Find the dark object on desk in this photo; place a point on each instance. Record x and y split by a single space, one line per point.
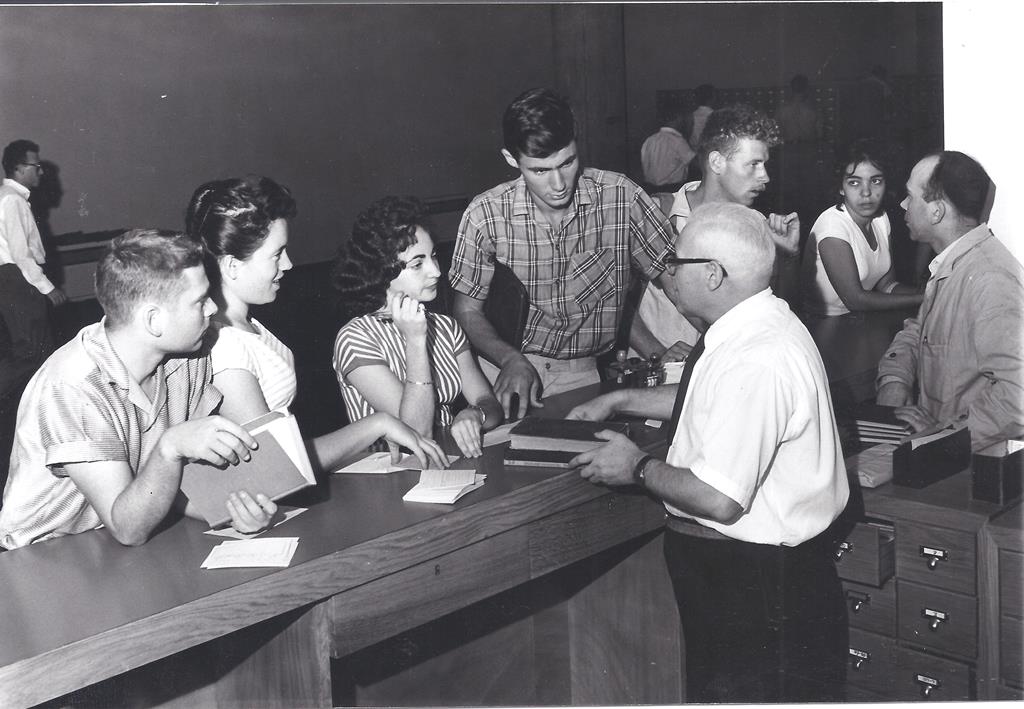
507 305
535 433
634 372
942 454
997 472
538 458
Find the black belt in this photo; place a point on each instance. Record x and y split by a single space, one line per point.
692 528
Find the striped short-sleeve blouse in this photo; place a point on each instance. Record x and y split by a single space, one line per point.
367 341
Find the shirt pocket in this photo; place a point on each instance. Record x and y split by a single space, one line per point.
591 277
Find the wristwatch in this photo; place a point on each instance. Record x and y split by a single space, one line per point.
639 471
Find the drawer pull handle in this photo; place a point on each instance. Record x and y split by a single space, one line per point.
934 556
859 657
843 548
934 618
858 600
928 685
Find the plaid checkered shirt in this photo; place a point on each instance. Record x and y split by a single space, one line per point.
576 274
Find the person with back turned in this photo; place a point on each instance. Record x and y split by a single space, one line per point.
753 479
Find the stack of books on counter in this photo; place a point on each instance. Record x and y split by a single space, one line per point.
552 443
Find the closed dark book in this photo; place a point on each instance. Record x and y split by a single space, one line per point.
538 433
538 458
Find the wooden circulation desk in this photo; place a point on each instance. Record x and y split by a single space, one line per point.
81 609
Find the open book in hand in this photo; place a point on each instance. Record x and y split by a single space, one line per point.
279 467
444 486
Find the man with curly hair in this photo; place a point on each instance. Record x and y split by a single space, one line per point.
733 152
572 236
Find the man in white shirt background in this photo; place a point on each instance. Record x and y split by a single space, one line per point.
25 291
666 155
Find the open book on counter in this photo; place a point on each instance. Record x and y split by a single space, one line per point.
279 467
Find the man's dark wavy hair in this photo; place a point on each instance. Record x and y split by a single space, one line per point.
538 123
368 262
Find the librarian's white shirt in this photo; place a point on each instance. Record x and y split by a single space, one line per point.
757 425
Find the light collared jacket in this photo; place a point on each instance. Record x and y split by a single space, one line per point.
964 349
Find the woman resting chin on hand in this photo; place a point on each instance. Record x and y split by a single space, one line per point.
393 355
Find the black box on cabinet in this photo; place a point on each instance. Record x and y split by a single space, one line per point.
928 458
997 472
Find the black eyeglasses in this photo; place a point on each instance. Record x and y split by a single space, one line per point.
36 165
672 261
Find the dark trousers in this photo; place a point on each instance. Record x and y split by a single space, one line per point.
761 623
26 314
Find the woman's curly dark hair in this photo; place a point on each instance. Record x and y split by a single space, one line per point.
368 262
233 217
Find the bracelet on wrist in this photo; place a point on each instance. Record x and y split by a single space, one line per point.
639 471
427 383
479 410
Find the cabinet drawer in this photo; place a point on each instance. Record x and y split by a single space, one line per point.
938 619
1011 651
1011 578
936 556
871 608
918 675
870 662
867 554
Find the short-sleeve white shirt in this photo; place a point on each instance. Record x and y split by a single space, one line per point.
820 295
757 425
263 355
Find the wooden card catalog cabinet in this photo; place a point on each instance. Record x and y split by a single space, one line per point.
922 600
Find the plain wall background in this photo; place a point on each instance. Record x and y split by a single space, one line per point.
344 103
139 105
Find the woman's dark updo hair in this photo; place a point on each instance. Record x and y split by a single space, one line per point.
861 151
368 262
233 217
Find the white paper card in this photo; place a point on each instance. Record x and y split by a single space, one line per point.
274 552
377 463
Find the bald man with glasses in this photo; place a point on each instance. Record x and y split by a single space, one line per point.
24 288
753 479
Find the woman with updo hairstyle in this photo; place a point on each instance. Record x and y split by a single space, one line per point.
243 224
847 263
392 354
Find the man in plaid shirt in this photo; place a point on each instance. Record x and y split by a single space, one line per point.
571 235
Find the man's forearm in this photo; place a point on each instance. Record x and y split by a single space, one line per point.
146 501
483 335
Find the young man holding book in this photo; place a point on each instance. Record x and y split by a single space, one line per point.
107 423
753 479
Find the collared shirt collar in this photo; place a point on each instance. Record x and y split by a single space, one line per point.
522 202
737 317
17 187
97 345
947 258
680 204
